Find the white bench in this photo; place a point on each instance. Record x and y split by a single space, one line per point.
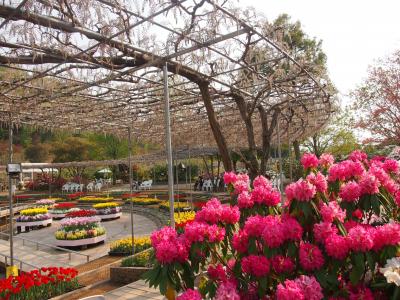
146 185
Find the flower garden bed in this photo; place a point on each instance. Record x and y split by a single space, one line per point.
80 231
41 284
123 247
178 206
108 210
47 203
336 236
33 218
60 210
95 199
132 268
144 201
80 213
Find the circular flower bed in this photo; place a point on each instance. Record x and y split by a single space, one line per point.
60 210
33 215
182 206
80 231
48 203
336 236
184 218
109 210
124 246
95 199
144 201
79 213
44 283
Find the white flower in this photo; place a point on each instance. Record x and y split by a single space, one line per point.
392 270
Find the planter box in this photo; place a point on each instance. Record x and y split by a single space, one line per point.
110 216
57 216
25 226
125 275
81 242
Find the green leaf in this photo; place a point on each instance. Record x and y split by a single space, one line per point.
371 261
292 249
321 278
358 268
164 280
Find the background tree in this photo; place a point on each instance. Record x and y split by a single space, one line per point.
72 149
378 101
336 138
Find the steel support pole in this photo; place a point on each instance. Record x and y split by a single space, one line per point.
130 188
169 147
10 192
279 154
189 166
290 153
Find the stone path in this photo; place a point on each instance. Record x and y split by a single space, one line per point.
46 256
138 290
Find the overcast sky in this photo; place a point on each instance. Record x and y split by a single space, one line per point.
354 32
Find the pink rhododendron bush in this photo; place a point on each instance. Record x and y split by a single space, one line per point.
335 236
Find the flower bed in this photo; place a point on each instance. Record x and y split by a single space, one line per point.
108 210
142 259
94 199
81 213
184 218
48 203
335 237
145 201
61 209
75 195
33 215
80 228
124 246
39 284
182 206
126 196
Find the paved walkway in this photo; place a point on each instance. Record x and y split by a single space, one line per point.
138 290
45 256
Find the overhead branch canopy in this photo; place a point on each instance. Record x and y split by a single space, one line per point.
96 65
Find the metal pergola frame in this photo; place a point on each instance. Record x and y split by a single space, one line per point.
137 67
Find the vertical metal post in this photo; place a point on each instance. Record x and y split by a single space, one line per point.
10 191
169 147
279 154
190 180
130 188
290 153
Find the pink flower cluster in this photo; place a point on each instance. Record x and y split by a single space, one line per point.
350 192
217 272
358 155
214 212
332 211
256 265
301 190
169 248
311 257
346 170
200 232
227 291
319 181
326 160
309 161
281 264
189 294
302 288
274 230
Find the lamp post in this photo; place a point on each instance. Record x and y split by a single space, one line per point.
130 188
168 146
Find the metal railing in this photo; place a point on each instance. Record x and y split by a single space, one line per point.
21 263
16 205
38 244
